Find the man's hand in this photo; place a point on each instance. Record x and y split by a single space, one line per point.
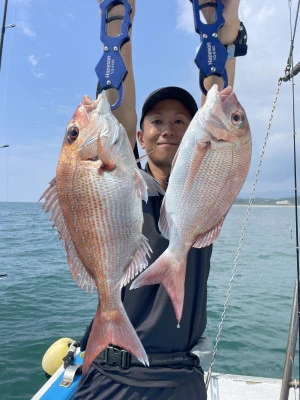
229 32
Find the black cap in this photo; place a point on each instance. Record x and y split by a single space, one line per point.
169 92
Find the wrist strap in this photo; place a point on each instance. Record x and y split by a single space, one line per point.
239 47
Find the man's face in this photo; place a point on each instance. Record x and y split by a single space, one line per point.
163 129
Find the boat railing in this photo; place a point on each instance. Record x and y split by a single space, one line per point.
287 382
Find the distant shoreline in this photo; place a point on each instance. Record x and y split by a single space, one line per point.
266 202
266 205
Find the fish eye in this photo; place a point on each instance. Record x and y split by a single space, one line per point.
237 118
72 134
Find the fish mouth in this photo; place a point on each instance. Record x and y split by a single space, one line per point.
89 105
221 102
225 93
216 100
222 96
99 104
228 100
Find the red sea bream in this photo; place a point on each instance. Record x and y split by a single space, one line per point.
96 205
208 171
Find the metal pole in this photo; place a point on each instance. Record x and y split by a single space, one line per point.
3 30
291 348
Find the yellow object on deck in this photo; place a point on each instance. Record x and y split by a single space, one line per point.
53 358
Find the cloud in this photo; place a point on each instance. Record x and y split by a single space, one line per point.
37 74
23 17
265 14
32 60
185 20
25 28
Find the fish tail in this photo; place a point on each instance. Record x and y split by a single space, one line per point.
113 327
169 271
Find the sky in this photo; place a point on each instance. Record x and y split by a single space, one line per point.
49 61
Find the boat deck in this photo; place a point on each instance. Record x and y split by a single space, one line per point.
237 387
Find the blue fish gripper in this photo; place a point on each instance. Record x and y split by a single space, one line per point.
111 70
212 55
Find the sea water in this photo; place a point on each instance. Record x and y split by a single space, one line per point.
40 302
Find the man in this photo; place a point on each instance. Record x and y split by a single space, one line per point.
174 372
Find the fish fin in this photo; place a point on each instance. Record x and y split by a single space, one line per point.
113 327
170 272
210 236
153 186
49 192
52 205
163 221
139 262
141 186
